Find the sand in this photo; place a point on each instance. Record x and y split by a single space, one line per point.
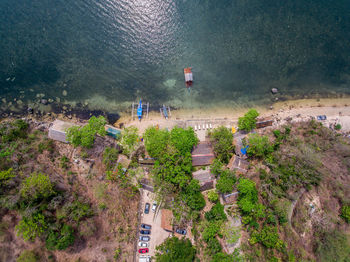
337 110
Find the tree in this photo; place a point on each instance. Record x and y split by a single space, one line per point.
175 250
183 139
156 141
129 139
216 167
211 230
222 140
268 236
226 181
36 186
31 227
213 196
259 146
192 195
85 136
248 195
216 213
248 121
110 156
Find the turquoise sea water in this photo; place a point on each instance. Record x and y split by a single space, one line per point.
107 53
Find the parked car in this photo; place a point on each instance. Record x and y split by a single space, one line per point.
154 207
181 231
145 259
145 232
322 117
144 238
147 206
145 226
143 244
143 250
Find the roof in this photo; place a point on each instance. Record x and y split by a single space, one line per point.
167 218
58 130
203 176
124 161
202 154
238 163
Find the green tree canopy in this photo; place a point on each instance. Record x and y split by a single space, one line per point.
37 186
129 139
31 227
175 250
192 195
248 195
183 139
248 121
85 136
27 256
222 140
216 213
226 181
156 141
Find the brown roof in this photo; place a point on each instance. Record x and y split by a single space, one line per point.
238 163
167 218
202 154
203 176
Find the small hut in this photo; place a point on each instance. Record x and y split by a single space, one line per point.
202 154
58 130
167 219
205 178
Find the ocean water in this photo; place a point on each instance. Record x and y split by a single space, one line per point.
108 53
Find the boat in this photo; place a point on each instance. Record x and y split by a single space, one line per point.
188 76
139 110
165 112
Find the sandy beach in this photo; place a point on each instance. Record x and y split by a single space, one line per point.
337 111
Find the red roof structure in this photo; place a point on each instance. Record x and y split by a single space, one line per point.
202 154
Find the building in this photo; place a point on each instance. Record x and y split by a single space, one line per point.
167 220
205 178
202 154
239 164
264 122
113 132
58 130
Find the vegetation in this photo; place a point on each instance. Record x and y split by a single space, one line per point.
32 227
27 256
222 140
337 127
37 186
85 136
333 247
248 121
130 139
216 213
175 250
60 239
110 157
226 181
213 196
345 213
259 146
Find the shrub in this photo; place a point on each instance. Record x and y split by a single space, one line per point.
156 141
129 139
27 256
75 211
248 121
259 146
64 162
36 186
216 213
31 227
6 175
226 181
211 230
222 140
192 195
213 246
333 247
60 240
337 127
213 196
110 156
268 236
345 213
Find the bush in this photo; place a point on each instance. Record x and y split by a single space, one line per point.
211 230
214 246
36 186
60 240
216 213
345 213
192 195
337 127
129 139
213 196
268 236
248 121
75 211
27 256
6 175
226 181
259 146
222 140
333 247
110 157
31 227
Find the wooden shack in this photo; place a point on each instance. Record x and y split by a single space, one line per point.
205 178
264 122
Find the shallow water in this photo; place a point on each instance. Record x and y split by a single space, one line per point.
108 53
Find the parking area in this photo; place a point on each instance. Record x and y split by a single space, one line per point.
158 234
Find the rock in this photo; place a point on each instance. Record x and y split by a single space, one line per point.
50 100
44 101
271 107
274 90
30 110
69 116
64 93
276 98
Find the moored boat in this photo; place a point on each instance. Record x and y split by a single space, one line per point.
188 76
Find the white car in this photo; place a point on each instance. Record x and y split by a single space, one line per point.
154 207
144 259
143 244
